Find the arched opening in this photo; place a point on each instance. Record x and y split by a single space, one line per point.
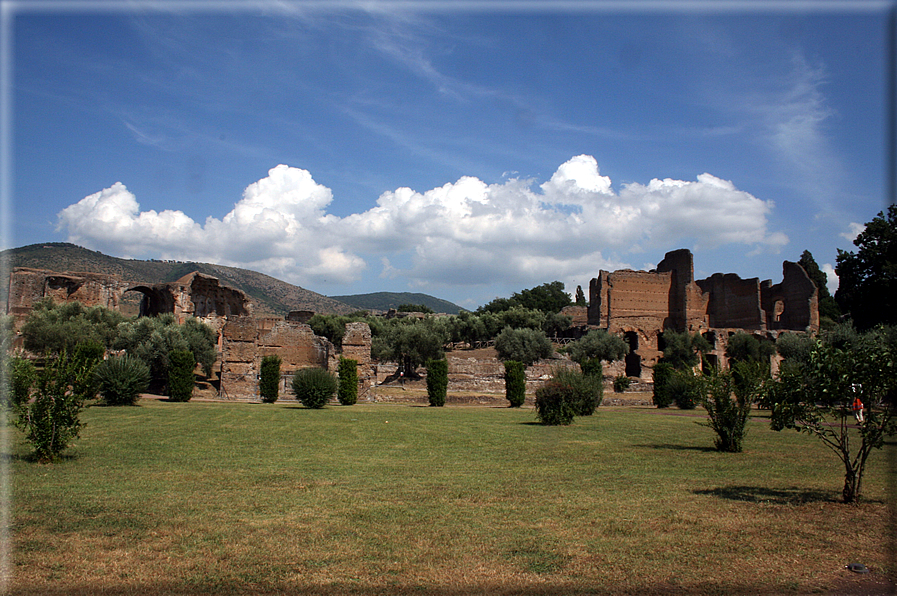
633 360
153 301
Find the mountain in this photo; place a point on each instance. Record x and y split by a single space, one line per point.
269 295
387 300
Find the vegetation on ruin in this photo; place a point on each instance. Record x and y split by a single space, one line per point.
867 278
314 387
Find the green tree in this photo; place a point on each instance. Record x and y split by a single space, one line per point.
51 328
515 383
347 391
415 308
727 417
548 298
411 342
744 347
682 349
816 399
437 381
556 403
180 375
121 379
598 344
269 378
314 387
523 345
867 279
580 297
588 390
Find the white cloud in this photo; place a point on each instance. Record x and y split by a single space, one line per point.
463 233
831 279
853 230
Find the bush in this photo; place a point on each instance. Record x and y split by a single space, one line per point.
588 390
515 383
269 378
621 383
686 389
347 393
661 376
592 367
180 375
51 420
314 387
121 380
727 417
555 403
437 381
22 376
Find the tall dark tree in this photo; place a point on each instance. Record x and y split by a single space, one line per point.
828 307
548 298
868 278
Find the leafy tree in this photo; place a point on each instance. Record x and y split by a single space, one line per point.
411 342
587 390
744 347
794 347
51 328
556 323
598 344
829 311
51 418
548 298
515 383
22 376
661 375
520 317
727 417
523 345
816 399
347 391
7 333
314 387
437 381
867 289
682 350
121 379
269 378
556 403
180 375
685 388
580 297
333 327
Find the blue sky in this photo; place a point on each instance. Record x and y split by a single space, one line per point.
462 150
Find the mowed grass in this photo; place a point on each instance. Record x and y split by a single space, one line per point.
211 498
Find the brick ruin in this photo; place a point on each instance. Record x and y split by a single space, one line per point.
641 305
637 305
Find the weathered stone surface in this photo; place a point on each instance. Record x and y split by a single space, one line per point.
28 286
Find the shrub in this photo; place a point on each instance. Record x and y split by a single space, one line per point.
22 376
621 383
598 344
51 420
180 375
588 390
314 387
661 376
686 389
121 379
515 383
555 403
269 378
347 394
592 367
726 416
437 381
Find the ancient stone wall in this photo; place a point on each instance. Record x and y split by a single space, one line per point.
793 303
28 286
734 302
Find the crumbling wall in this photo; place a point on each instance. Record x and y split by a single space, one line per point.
734 302
629 298
194 295
28 286
793 303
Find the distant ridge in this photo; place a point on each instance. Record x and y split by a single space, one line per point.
387 300
269 295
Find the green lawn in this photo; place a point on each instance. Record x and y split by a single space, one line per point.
196 498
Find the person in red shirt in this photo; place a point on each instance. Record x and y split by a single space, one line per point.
858 409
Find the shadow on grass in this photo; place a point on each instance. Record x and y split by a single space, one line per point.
672 447
778 496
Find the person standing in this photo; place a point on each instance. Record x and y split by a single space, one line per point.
858 409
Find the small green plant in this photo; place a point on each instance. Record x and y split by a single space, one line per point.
555 403
50 420
347 394
727 417
686 389
269 378
121 379
592 367
22 376
661 375
515 383
437 382
180 375
621 383
314 387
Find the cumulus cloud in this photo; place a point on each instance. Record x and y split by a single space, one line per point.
831 278
462 233
853 230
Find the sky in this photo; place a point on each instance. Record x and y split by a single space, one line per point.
466 150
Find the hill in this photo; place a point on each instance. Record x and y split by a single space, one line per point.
387 300
269 295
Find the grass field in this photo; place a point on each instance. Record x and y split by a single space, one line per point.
212 498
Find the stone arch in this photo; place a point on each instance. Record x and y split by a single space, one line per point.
155 301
